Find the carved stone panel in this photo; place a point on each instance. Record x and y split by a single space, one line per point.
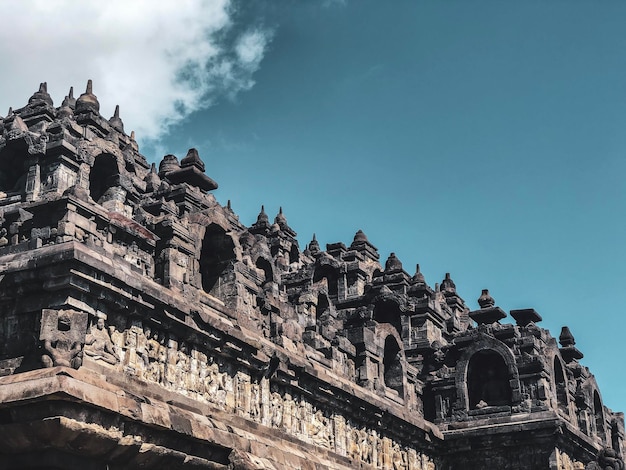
63 335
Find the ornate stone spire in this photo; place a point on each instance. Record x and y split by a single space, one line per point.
569 352
393 263
566 338
192 159
280 218
41 96
168 164
418 277
262 224
71 101
488 312
418 286
115 120
67 107
359 236
447 285
363 245
190 171
314 246
88 101
262 218
152 179
485 300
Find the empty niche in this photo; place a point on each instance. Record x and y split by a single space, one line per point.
267 273
388 312
103 175
12 170
393 373
294 254
561 385
216 256
598 415
330 274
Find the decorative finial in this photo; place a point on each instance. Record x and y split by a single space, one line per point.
192 159
314 246
88 101
393 263
228 206
69 100
115 120
447 285
280 219
566 338
360 236
66 110
169 163
262 219
152 179
418 277
485 300
41 96
132 135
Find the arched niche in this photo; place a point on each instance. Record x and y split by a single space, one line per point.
103 175
387 311
330 274
217 257
488 380
493 354
323 306
598 415
321 312
266 269
393 372
294 253
13 167
560 384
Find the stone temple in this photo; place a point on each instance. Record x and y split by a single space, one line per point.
143 325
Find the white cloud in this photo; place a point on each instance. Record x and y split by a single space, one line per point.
158 60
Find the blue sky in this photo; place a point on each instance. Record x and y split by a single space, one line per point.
484 138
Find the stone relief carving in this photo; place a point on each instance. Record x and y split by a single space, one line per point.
159 357
607 459
62 333
98 343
